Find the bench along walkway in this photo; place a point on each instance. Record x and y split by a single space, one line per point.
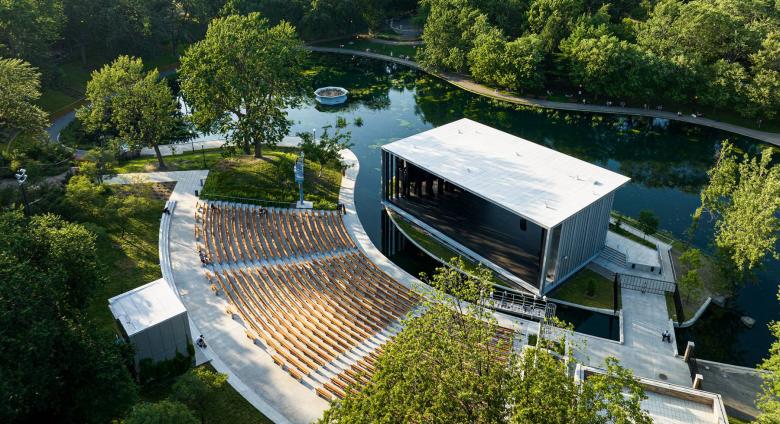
468 84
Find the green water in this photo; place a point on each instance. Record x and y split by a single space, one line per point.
667 165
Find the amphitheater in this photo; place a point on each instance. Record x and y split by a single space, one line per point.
296 305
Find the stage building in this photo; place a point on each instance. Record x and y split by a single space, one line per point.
530 213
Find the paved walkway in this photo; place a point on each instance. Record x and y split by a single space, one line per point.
199 143
467 84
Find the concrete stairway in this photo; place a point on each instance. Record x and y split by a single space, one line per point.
614 256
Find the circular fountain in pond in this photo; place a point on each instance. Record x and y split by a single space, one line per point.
331 95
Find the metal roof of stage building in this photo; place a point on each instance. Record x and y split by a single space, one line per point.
533 181
146 306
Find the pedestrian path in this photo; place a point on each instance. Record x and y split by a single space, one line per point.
206 143
468 84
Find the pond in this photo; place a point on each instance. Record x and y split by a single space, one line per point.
667 163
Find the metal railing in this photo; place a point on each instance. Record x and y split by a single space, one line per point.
248 200
520 304
643 284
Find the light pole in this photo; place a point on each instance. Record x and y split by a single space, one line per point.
21 178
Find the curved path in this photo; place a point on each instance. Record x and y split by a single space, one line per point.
467 84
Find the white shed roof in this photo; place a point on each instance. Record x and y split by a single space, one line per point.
538 183
146 306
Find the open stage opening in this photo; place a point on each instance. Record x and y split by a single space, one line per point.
492 232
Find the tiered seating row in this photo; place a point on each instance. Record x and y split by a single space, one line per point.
235 232
312 312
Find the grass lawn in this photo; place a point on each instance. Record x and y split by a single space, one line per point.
385 49
271 179
575 290
226 405
631 236
186 161
713 281
435 247
128 261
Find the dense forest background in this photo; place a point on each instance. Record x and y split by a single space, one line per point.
717 54
720 55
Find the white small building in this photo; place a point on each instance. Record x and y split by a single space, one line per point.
154 320
532 214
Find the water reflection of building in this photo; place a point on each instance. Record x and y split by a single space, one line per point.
533 215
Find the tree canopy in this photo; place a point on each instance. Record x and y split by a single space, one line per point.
70 373
162 412
447 366
769 400
19 89
137 106
241 77
743 197
720 54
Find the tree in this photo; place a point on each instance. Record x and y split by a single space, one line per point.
19 89
725 85
648 222
552 20
71 372
445 367
743 197
769 400
448 34
85 196
127 205
99 163
240 79
763 92
196 387
162 412
327 148
515 64
28 28
137 106
690 281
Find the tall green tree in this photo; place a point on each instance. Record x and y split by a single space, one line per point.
29 28
769 400
70 373
448 33
138 106
743 197
19 89
445 367
648 222
327 148
553 20
515 64
690 281
197 387
240 79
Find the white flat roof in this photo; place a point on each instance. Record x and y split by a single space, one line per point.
538 183
146 306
